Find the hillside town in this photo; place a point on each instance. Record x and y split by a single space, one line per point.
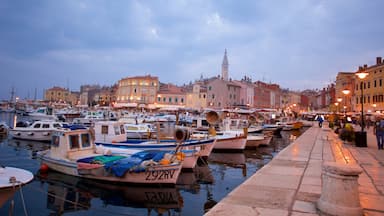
221 91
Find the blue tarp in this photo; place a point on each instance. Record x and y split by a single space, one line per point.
120 167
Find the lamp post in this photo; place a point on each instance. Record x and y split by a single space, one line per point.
345 92
361 137
339 101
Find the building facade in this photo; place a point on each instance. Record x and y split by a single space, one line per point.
57 94
170 95
137 90
370 91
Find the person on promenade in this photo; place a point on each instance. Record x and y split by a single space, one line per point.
320 119
378 130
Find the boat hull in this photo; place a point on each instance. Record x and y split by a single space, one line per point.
164 174
192 149
36 135
253 142
234 143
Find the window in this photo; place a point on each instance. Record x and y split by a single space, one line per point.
158 99
45 126
182 100
369 84
122 131
73 141
170 100
55 141
380 82
85 141
37 126
374 84
176 99
104 129
213 96
117 130
209 88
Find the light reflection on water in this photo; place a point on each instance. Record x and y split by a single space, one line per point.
57 194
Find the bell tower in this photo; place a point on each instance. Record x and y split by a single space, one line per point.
224 67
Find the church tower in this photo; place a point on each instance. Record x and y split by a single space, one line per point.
224 67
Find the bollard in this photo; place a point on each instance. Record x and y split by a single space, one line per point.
340 191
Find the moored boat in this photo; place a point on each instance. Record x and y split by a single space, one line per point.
38 131
11 179
73 152
110 137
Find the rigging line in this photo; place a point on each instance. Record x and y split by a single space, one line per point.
22 199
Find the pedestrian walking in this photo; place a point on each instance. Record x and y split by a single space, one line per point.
320 119
378 130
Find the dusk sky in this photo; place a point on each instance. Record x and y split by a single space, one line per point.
298 44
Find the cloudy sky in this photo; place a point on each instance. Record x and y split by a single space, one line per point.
298 44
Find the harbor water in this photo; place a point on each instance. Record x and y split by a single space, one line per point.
197 191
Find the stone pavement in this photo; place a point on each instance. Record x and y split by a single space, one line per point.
291 183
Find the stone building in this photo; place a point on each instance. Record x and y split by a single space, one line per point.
373 88
137 90
57 94
344 81
170 95
267 95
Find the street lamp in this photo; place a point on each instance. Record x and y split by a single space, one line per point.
361 137
345 92
339 102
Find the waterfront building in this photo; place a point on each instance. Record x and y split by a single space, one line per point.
222 94
170 95
57 94
88 95
246 91
345 81
105 96
267 95
309 100
373 88
137 90
196 96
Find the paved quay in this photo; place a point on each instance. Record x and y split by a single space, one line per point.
291 183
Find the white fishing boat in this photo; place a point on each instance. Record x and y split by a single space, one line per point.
256 140
11 180
73 152
38 131
42 113
139 131
228 141
110 138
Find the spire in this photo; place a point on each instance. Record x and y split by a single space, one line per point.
224 66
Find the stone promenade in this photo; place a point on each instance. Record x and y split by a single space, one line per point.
291 183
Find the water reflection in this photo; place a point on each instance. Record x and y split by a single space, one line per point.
29 145
195 193
67 194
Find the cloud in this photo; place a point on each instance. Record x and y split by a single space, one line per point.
297 44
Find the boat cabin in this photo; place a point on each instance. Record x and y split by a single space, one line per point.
109 131
71 144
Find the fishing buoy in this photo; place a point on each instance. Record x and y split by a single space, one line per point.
180 156
164 161
44 168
